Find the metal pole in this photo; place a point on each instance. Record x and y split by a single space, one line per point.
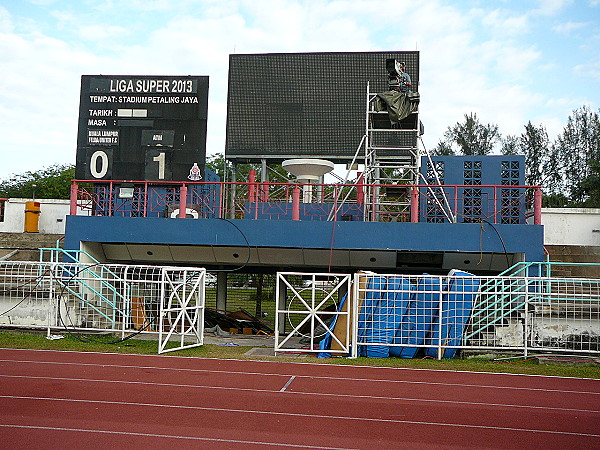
360 189
233 192
441 310
264 178
280 304
183 202
537 206
251 185
414 205
53 301
526 324
73 204
221 303
296 203
353 308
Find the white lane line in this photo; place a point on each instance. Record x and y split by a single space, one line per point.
168 436
258 362
287 384
307 393
433 383
304 415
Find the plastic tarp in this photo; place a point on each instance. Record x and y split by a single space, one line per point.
399 105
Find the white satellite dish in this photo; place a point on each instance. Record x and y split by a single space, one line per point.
307 171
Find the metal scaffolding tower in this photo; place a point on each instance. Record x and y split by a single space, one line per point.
392 162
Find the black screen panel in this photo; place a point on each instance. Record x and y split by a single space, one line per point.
284 105
146 127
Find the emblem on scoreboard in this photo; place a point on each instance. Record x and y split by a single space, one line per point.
195 173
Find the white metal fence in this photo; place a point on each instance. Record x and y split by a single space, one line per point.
76 297
366 314
309 307
434 316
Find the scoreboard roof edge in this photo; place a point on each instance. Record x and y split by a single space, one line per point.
326 53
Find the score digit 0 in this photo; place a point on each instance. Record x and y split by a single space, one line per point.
99 164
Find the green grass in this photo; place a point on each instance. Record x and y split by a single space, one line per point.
105 343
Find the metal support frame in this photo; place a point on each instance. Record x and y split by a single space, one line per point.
181 309
400 168
316 307
116 298
393 313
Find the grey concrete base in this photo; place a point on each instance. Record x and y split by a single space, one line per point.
270 352
241 340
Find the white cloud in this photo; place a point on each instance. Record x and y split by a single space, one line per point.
505 23
6 25
568 27
39 97
102 33
591 70
550 7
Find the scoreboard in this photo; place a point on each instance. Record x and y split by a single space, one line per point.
142 128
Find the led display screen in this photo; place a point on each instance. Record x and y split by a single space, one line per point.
285 105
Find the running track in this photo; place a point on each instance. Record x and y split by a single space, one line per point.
89 400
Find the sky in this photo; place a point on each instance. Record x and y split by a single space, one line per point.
509 62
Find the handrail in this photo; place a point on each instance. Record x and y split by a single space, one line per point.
544 268
497 304
86 270
211 199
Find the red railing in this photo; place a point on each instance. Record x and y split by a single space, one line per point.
292 201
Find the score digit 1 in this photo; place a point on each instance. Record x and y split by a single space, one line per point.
160 159
158 164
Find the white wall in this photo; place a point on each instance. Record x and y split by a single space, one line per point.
53 215
571 226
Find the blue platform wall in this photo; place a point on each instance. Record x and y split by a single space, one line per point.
428 237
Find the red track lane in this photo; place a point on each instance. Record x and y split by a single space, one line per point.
68 399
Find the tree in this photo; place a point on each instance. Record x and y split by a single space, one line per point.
589 188
567 169
472 137
51 182
556 201
511 145
575 152
535 145
444 148
224 169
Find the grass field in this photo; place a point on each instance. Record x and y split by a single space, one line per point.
585 368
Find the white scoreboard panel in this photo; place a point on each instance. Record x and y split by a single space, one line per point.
142 128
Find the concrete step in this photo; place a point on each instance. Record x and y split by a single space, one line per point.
577 258
575 254
27 245
573 250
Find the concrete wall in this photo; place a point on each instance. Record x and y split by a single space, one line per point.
52 216
571 226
